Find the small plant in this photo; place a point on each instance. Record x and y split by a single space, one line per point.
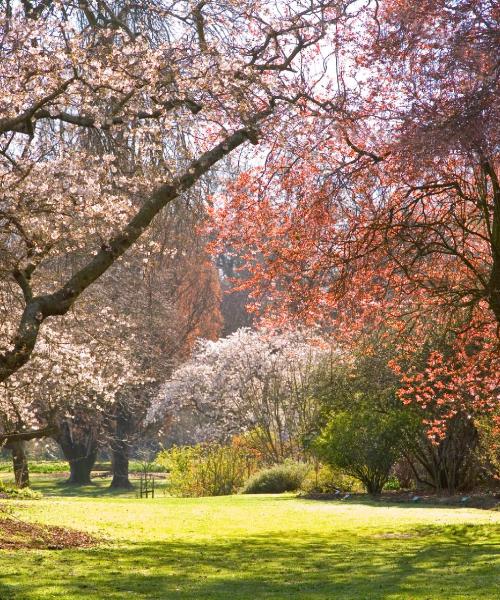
15 493
286 477
392 483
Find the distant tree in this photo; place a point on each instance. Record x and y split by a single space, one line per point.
234 301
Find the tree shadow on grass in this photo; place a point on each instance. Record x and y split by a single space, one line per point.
426 563
435 502
99 488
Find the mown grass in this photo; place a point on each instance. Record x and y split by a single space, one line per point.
61 466
254 547
39 466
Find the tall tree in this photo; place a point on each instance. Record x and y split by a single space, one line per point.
223 73
394 212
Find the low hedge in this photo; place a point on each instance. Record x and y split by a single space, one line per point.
286 477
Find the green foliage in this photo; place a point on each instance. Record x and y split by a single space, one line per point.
39 466
136 466
286 477
8 491
206 469
327 480
489 446
61 466
363 444
392 483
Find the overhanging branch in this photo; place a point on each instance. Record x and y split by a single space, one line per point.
25 436
58 303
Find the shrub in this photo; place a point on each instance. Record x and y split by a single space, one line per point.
327 480
7 491
489 447
392 483
205 469
286 477
363 444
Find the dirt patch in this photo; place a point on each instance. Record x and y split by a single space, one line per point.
15 534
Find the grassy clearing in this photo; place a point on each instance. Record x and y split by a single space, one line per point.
248 547
61 466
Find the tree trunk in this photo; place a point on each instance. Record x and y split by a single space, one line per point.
80 469
79 446
120 448
494 282
451 465
20 463
120 467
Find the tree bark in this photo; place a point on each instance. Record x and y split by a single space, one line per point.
494 282
80 469
79 446
120 448
20 464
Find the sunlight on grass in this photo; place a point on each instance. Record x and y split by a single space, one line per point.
248 547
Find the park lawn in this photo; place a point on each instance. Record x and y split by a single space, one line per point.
59 466
253 547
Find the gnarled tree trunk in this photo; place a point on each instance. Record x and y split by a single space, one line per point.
79 445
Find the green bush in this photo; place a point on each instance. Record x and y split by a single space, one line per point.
205 469
363 444
327 480
7 491
286 477
392 483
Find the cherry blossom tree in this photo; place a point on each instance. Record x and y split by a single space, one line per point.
256 382
92 384
223 73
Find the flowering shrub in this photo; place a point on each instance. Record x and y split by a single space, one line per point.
257 382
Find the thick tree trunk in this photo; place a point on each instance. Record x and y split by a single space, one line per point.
80 469
20 463
120 467
79 446
120 448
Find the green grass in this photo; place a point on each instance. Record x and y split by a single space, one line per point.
61 466
39 466
252 548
